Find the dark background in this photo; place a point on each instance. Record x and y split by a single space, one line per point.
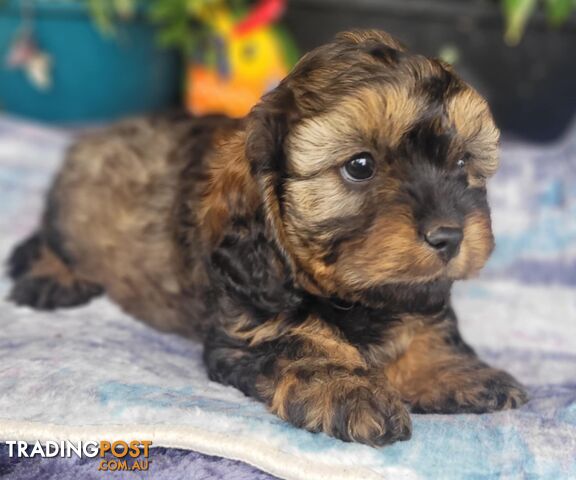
531 87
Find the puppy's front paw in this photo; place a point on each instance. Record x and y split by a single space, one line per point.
343 406
373 418
480 390
499 391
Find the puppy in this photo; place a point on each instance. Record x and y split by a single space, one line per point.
312 245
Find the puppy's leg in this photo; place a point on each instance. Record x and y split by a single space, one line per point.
311 377
439 373
43 280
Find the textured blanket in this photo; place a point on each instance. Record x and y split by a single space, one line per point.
94 373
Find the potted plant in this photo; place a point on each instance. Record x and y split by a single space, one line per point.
83 60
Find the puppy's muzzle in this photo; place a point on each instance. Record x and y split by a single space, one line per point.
445 240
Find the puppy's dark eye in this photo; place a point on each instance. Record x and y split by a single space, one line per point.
463 161
359 168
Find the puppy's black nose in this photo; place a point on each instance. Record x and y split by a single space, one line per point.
446 240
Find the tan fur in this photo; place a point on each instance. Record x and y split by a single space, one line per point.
370 120
325 382
476 247
230 190
48 264
102 211
242 329
470 115
317 294
430 375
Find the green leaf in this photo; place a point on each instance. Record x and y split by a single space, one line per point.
516 14
125 9
102 13
167 9
194 7
558 11
179 22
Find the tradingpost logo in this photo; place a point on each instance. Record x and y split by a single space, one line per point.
114 456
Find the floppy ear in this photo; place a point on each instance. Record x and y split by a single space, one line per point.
267 127
250 263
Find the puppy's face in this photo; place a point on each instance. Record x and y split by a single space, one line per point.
383 180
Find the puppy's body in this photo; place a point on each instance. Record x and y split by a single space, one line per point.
312 246
120 214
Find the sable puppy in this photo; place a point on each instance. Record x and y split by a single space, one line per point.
311 245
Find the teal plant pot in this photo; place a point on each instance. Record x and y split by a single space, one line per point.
94 78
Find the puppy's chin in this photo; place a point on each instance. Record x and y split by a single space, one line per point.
467 264
421 293
454 270
406 297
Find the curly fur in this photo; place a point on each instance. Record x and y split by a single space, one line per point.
318 297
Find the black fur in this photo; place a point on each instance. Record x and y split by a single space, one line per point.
249 268
231 362
23 256
45 293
